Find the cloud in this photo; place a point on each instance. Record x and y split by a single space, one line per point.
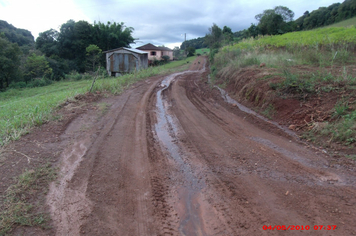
155 21
39 15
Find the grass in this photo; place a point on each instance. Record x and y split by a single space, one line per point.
343 130
345 23
15 207
202 51
22 109
269 112
317 38
300 65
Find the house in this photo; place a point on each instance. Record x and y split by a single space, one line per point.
125 60
156 52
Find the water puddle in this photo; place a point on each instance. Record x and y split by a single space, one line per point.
190 193
229 100
283 151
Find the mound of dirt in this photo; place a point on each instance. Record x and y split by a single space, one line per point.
255 87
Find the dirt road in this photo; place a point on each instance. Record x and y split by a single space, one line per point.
172 158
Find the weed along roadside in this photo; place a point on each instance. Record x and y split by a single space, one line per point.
32 122
310 89
231 133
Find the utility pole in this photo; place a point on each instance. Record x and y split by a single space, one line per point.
185 44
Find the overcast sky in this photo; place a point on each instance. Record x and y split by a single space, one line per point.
160 22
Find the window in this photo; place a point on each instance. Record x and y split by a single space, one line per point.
153 53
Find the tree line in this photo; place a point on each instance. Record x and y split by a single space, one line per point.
77 46
278 20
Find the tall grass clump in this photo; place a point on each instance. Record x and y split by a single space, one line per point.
15 207
344 129
322 47
21 109
240 58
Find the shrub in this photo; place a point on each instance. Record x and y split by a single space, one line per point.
17 85
39 82
74 75
165 58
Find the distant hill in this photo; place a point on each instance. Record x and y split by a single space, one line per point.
195 43
20 36
325 16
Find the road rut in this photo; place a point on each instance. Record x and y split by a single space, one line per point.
171 157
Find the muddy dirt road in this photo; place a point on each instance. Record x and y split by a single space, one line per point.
172 158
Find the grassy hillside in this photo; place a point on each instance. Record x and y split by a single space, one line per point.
327 37
306 66
345 23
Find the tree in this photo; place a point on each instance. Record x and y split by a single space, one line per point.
271 24
190 51
253 31
176 52
20 36
112 35
10 54
274 21
75 37
285 12
227 35
93 55
196 43
36 66
47 42
214 37
300 21
66 40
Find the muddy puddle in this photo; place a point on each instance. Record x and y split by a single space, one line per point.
189 194
231 101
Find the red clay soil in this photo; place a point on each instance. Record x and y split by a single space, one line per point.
178 160
300 112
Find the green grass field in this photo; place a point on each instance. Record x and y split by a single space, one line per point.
312 38
21 109
318 50
202 51
345 23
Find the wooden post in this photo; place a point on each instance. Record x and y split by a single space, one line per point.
97 72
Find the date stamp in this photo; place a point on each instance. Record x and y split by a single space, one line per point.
299 227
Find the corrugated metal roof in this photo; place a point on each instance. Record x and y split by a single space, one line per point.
134 50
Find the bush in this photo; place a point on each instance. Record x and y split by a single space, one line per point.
190 51
74 75
17 85
165 58
86 76
39 82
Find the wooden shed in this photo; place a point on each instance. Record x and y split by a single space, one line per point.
125 60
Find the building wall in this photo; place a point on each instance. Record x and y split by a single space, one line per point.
151 57
168 53
141 61
159 54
